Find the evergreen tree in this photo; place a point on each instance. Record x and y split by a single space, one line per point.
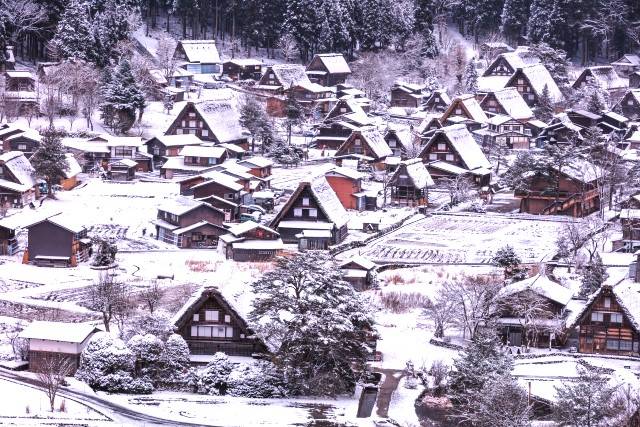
255 119
147 350
471 77
545 110
595 103
174 365
74 37
593 276
283 153
515 14
294 114
299 306
501 402
213 379
111 26
105 253
50 160
539 25
123 99
585 402
507 258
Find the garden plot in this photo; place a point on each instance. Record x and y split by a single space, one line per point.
467 239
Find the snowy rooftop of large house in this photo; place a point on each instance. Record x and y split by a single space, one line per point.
223 119
243 227
540 285
334 63
208 151
582 170
74 166
492 83
18 74
291 75
466 146
124 141
513 103
129 163
202 51
244 62
347 172
473 107
180 205
628 59
19 167
328 201
81 144
363 262
538 77
27 133
447 167
606 77
261 162
178 140
58 331
376 142
64 221
417 172
521 57
221 179
177 163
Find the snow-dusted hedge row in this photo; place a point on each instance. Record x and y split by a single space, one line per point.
441 343
360 243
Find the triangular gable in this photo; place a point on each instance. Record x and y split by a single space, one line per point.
438 98
371 139
468 107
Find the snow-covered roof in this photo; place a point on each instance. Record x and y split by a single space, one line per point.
124 141
416 171
202 51
334 63
605 76
81 144
178 140
221 179
582 170
243 227
375 140
465 145
233 148
447 167
223 119
261 162
513 103
27 133
194 226
61 220
305 224
499 119
208 151
628 297
18 74
520 58
125 162
74 166
244 62
471 105
363 262
344 171
177 163
255 244
290 75
328 201
628 59
492 83
538 77
58 331
630 213
181 205
615 116
19 167
540 285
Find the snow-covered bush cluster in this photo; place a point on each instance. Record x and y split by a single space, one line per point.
259 379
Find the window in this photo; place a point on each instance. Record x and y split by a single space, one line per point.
313 213
596 316
204 331
616 317
211 315
228 196
22 147
442 147
227 318
194 331
357 142
607 302
205 132
625 345
196 317
433 156
305 201
612 344
449 157
184 123
192 114
344 109
212 160
193 124
297 212
156 151
520 81
630 102
178 131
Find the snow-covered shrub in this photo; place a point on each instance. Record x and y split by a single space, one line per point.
213 378
174 366
260 379
105 252
148 351
158 324
107 364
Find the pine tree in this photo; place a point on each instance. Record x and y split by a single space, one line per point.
298 308
593 276
585 402
515 14
507 258
111 26
539 25
294 114
50 160
254 117
174 366
147 350
123 99
213 378
544 109
595 103
74 37
501 402
471 77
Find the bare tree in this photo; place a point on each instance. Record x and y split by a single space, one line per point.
19 346
288 47
531 310
152 295
472 299
51 372
25 16
442 311
164 53
109 297
459 188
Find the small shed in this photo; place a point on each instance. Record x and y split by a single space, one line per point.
265 199
70 179
122 170
314 239
358 271
57 339
57 241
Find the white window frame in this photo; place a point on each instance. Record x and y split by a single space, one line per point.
313 213
297 212
227 318
196 317
212 315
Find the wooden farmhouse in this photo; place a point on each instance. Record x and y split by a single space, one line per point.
8 241
604 76
629 104
57 241
313 216
198 56
249 241
242 69
127 147
505 64
437 102
234 151
406 95
17 186
19 91
209 323
549 319
218 184
347 184
18 139
467 109
608 324
163 146
122 170
572 190
328 69
203 155
189 223
258 166
504 132
634 80
530 82
311 95
561 129
346 116
280 77
401 141
368 145
626 65
70 179
231 209
358 271
57 340
452 152
409 183
508 102
92 155
213 121
630 224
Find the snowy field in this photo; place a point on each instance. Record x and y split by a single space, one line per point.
466 238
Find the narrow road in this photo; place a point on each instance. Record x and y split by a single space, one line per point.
391 380
118 413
